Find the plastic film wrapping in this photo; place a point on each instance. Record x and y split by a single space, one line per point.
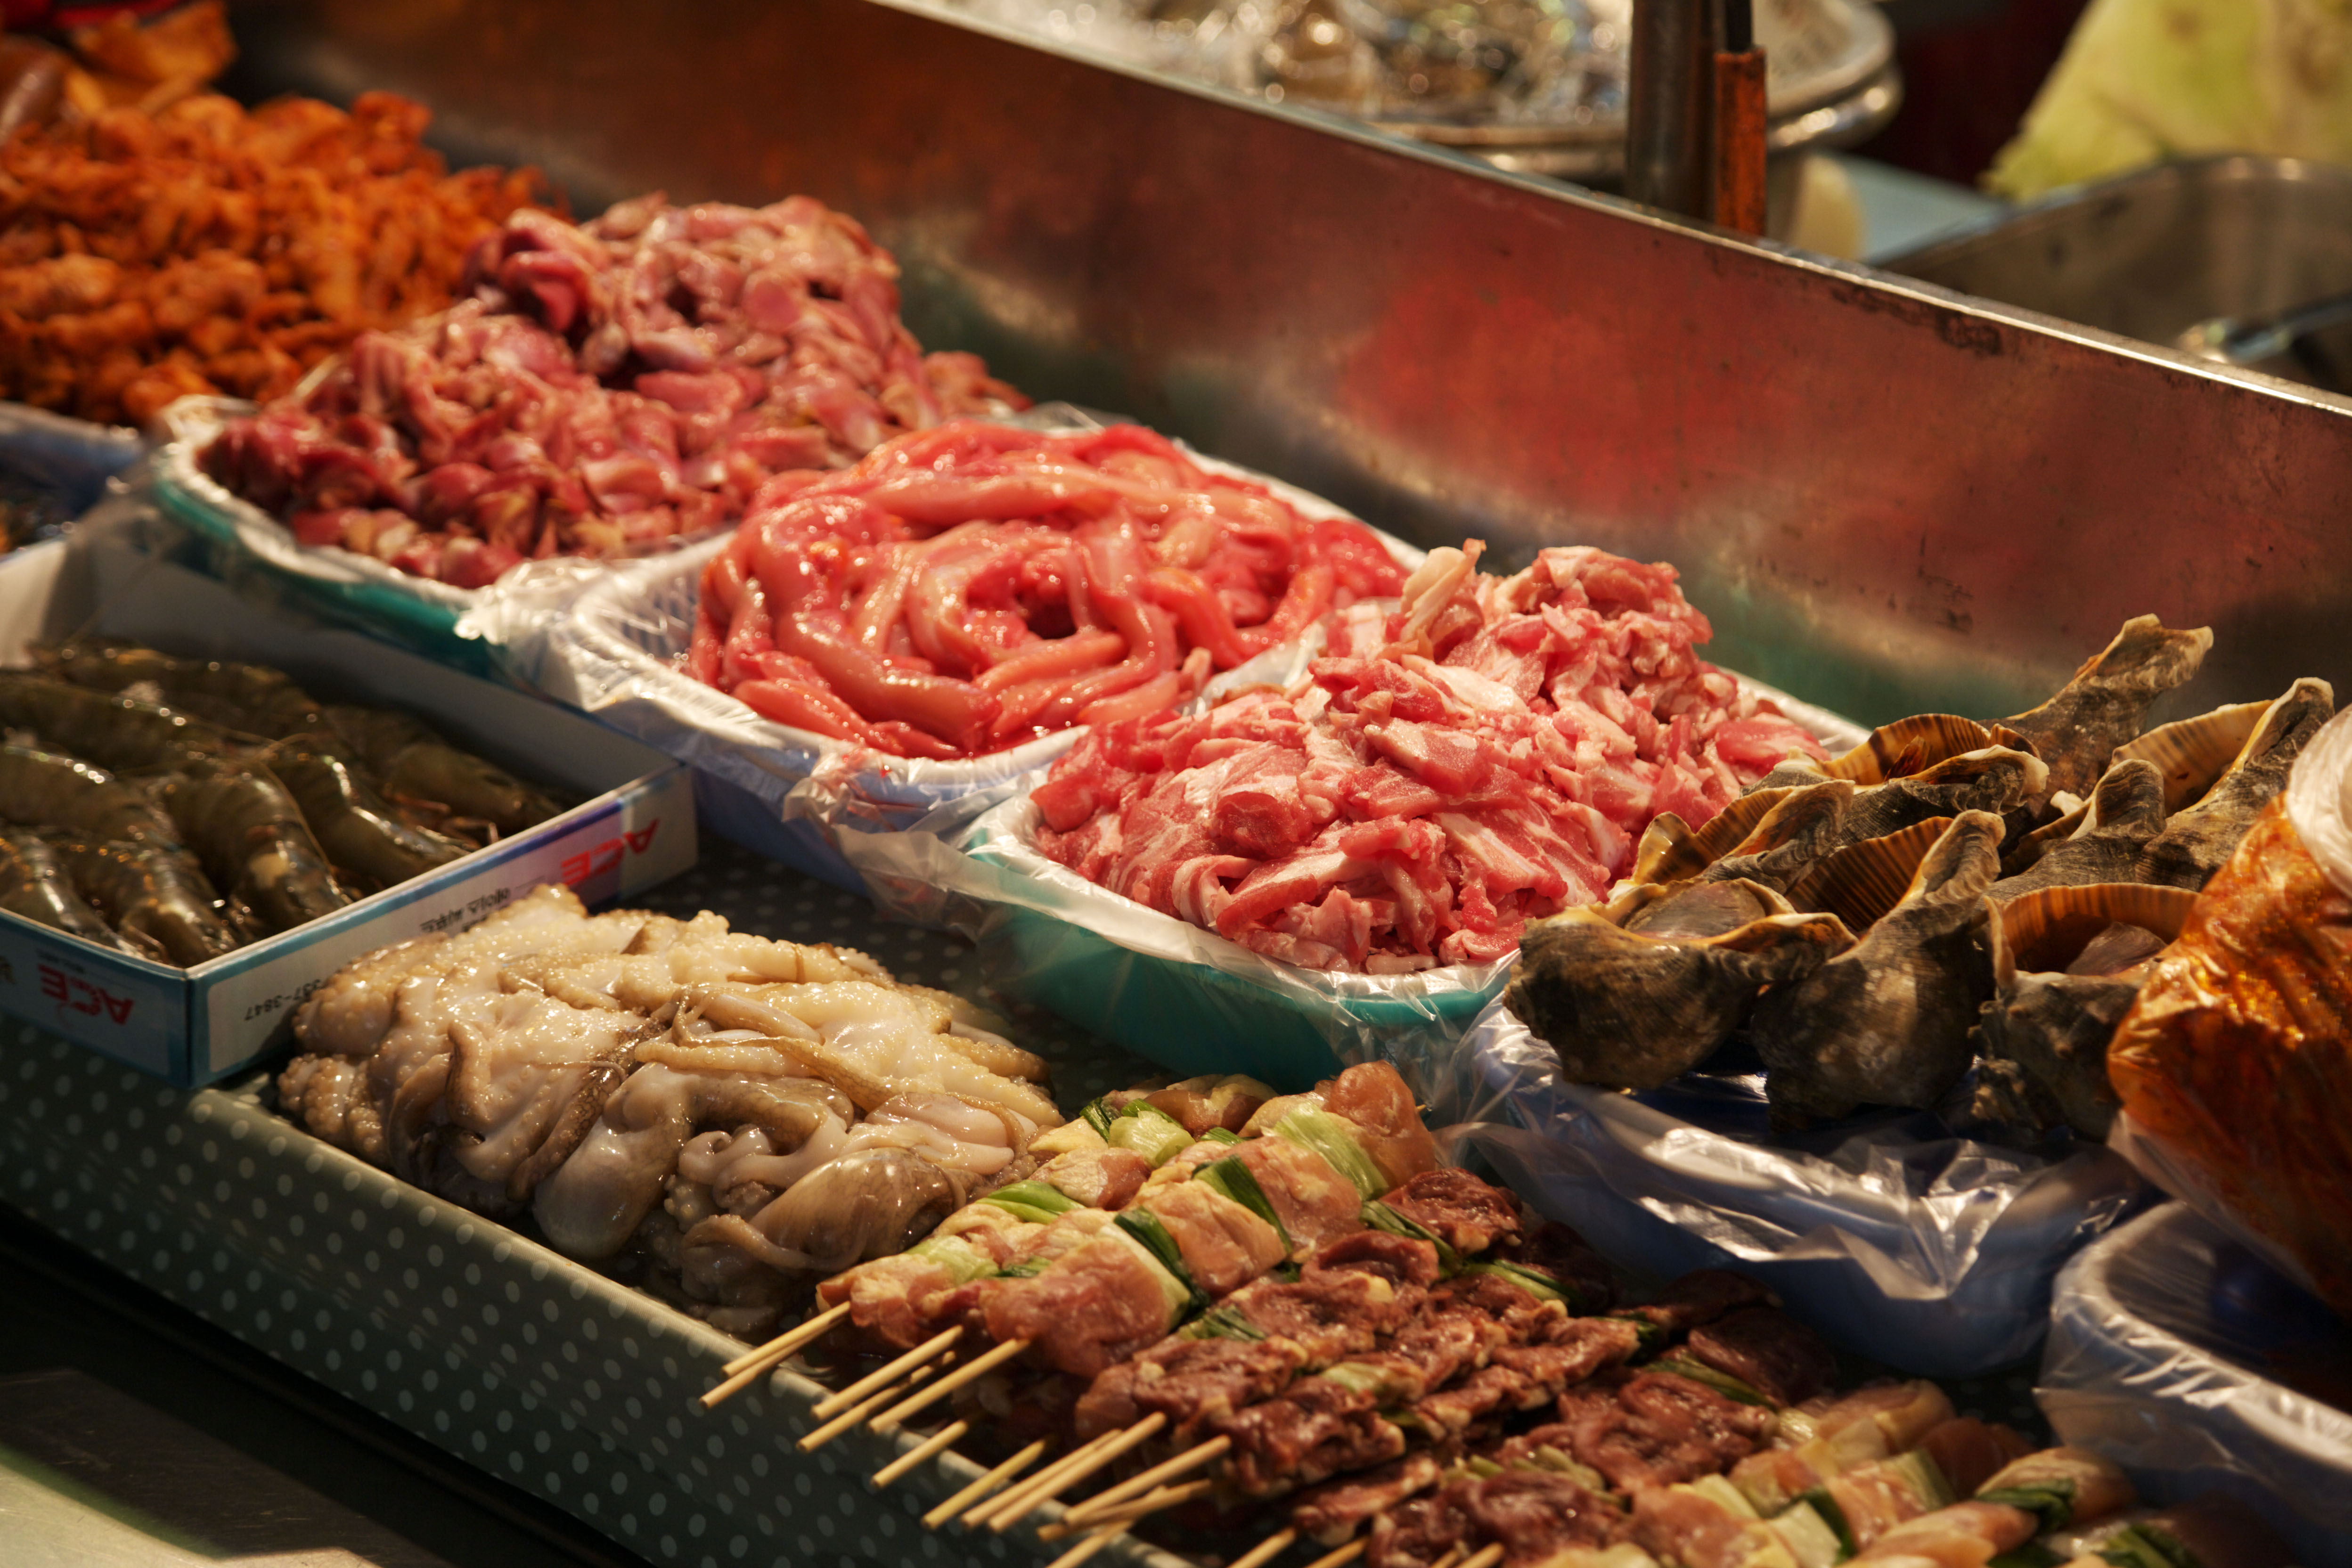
2234 1065
2160 1343
615 651
1928 1251
70 459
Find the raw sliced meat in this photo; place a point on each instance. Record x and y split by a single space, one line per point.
602 389
1489 754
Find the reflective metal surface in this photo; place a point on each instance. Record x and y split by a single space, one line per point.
2153 254
1887 497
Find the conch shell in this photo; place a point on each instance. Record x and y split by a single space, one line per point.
2101 708
1886 1022
2066 963
1635 1011
2198 839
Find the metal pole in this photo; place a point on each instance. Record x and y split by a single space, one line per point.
1670 118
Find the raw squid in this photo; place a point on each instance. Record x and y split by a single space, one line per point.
740 1115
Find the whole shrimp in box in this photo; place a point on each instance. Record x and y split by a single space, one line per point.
180 808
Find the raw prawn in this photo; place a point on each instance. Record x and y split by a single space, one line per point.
249 698
364 839
46 789
34 885
251 838
153 897
413 763
118 733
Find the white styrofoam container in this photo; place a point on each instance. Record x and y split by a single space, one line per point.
195 1025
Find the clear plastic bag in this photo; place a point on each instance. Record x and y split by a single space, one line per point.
1929 1252
68 459
2234 1064
613 649
2159 1342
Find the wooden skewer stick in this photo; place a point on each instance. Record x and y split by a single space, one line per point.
740 1381
985 1485
1049 1475
930 1449
978 1365
1339 1558
1088 1548
1273 1545
1133 1437
746 1370
930 1350
859 1412
788 1342
1127 1513
1487 1558
1184 1463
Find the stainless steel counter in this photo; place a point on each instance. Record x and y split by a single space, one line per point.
1888 497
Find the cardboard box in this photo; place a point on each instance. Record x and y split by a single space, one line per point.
195 1025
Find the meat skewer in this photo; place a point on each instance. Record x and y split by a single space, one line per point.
1853 1434
1085 1171
1249 1396
1085 1286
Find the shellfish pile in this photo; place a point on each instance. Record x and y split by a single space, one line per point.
1950 894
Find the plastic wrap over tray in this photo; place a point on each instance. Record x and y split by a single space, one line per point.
258 554
70 459
615 651
2157 1342
1930 1252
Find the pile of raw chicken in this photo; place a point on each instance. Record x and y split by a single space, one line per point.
723 1118
601 390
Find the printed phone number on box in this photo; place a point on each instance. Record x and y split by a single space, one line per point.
466 913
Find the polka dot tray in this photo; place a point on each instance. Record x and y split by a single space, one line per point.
491 1346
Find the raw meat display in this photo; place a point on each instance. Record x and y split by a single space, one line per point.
119 61
204 247
971 587
601 390
1489 755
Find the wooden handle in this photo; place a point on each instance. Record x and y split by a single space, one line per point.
1740 142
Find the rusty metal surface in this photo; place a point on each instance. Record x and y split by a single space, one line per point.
1887 497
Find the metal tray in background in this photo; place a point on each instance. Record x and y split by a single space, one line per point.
2153 253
